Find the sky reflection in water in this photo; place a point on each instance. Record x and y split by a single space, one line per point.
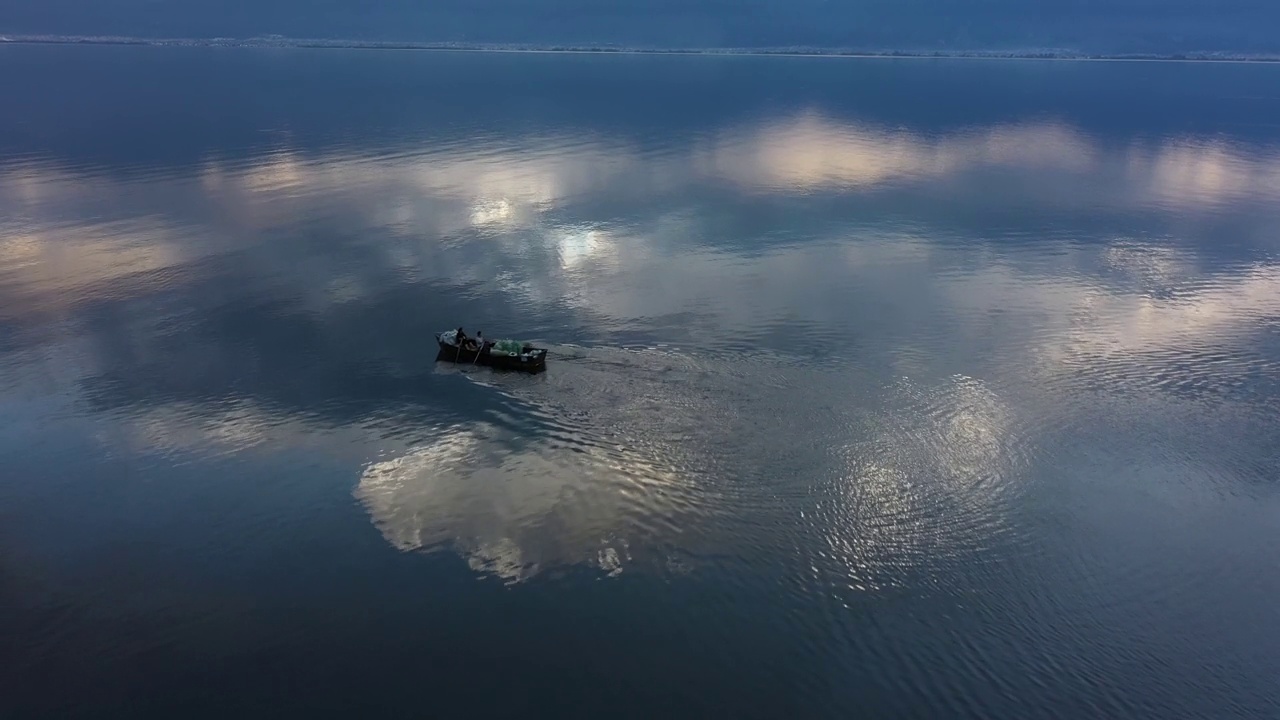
800 341
786 240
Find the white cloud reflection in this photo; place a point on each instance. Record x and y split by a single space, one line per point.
1190 171
815 153
46 269
510 513
516 504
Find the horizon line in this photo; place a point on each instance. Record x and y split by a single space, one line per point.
281 42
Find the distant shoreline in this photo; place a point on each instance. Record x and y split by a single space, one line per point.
799 51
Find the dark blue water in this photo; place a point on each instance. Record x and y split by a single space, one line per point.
876 388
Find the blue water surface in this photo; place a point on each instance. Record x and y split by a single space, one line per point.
877 388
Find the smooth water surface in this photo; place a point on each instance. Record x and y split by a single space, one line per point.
876 389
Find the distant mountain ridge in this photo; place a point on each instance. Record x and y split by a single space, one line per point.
1101 26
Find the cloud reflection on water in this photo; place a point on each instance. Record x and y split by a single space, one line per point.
811 152
522 219
511 513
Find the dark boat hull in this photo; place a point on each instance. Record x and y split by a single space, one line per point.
534 363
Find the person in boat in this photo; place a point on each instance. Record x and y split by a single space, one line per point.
477 341
460 337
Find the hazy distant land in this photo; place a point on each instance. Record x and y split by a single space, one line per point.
285 42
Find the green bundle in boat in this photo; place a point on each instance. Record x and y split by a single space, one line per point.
509 347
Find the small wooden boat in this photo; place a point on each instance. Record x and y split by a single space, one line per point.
502 354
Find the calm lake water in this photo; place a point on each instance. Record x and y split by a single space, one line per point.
876 388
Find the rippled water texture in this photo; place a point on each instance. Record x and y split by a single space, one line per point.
876 388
